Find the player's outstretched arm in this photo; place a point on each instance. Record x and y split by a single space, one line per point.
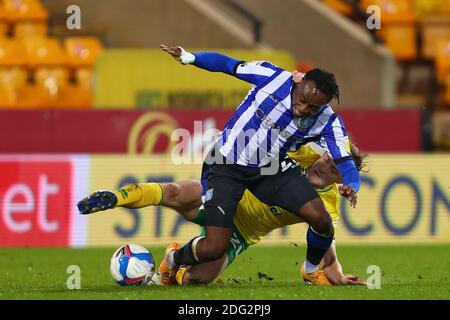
179 54
256 72
211 61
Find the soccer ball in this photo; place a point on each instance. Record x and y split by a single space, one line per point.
132 265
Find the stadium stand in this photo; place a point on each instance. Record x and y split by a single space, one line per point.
43 51
443 59
82 51
41 71
13 84
12 52
3 22
25 10
412 30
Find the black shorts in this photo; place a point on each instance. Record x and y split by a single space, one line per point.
224 185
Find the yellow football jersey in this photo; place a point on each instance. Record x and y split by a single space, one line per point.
254 219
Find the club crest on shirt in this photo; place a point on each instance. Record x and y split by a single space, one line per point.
303 123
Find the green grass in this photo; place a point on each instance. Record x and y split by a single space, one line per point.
408 272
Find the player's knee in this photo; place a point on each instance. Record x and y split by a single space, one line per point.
324 227
171 190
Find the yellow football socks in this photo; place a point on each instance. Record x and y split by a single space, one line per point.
139 195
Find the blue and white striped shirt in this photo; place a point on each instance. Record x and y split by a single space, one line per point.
263 127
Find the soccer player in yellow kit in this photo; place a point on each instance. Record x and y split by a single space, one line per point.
253 220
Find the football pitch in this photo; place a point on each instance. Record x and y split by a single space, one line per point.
262 272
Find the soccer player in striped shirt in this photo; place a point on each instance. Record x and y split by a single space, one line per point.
277 116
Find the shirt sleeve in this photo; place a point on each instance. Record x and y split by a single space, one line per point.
338 144
255 72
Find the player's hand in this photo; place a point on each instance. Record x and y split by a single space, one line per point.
179 54
297 76
348 192
173 51
351 280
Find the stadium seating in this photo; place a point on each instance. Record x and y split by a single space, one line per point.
3 21
434 28
42 72
401 40
398 27
84 78
43 51
412 30
82 51
53 89
431 7
13 83
12 52
25 10
30 29
443 60
393 11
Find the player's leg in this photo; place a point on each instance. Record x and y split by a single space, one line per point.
320 232
135 195
183 196
203 273
197 251
291 191
222 190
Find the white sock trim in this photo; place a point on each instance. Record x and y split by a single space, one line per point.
171 259
194 246
309 267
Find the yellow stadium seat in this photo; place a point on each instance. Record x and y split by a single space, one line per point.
43 51
442 60
54 90
52 78
13 83
20 10
75 97
433 30
3 21
340 6
50 82
30 29
85 78
82 51
392 11
12 52
3 29
431 7
400 40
